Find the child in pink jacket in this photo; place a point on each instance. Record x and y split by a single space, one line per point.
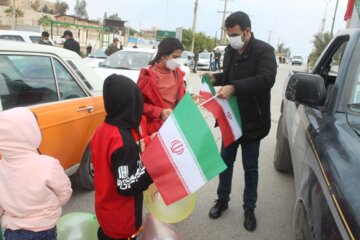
33 187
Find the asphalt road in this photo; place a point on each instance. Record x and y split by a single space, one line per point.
275 192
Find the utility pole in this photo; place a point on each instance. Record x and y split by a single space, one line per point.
324 19
194 25
269 37
223 23
13 15
332 26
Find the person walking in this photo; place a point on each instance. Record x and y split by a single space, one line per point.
70 43
44 40
249 74
34 187
162 84
113 47
196 59
120 177
88 49
217 59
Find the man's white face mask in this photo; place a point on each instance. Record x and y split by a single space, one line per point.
236 42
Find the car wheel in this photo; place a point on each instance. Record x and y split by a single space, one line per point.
282 157
85 174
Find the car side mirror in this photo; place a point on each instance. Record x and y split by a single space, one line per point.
306 89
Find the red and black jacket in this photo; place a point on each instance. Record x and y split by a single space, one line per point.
120 178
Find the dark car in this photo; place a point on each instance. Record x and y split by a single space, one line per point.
318 138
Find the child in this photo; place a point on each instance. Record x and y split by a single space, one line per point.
33 187
120 177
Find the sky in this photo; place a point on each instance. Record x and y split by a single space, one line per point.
293 22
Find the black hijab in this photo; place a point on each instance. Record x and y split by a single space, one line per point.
123 102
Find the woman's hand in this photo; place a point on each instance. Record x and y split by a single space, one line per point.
165 113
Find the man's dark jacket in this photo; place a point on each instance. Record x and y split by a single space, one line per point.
72 45
252 74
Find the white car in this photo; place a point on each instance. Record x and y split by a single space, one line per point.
128 62
96 57
20 36
204 61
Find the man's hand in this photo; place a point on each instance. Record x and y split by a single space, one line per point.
211 77
226 92
165 113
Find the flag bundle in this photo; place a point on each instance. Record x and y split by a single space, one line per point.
226 112
183 156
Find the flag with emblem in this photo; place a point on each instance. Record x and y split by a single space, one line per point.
183 156
226 112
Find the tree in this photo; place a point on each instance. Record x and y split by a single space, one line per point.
282 50
18 13
202 42
114 16
80 9
45 9
35 5
320 41
45 20
61 7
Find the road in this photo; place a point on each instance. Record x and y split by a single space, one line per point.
275 192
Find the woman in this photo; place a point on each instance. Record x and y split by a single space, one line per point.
162 84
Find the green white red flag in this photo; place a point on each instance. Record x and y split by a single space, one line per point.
183 156
226 112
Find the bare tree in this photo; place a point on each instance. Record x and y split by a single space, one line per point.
18 13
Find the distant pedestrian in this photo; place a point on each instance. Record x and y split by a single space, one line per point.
45 39
212 61
113 47
70 43
217 59
88 49
121 46
34 187
196 60
135 46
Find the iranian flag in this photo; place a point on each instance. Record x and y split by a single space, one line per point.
183 156
226 112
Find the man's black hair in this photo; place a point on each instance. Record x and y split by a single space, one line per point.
238 18
167 47
45 34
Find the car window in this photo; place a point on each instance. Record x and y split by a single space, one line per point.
336 60
68 87
12 38
100 53
35 39
132 60
204 56
29 80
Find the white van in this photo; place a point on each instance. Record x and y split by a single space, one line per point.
20 36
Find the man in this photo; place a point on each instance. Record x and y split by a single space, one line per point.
88 49
44 40
217 58
196 59
70 42
113 47
249 74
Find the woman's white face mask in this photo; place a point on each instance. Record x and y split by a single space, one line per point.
172 64
236 42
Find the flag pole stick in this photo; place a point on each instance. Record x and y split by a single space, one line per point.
208 100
